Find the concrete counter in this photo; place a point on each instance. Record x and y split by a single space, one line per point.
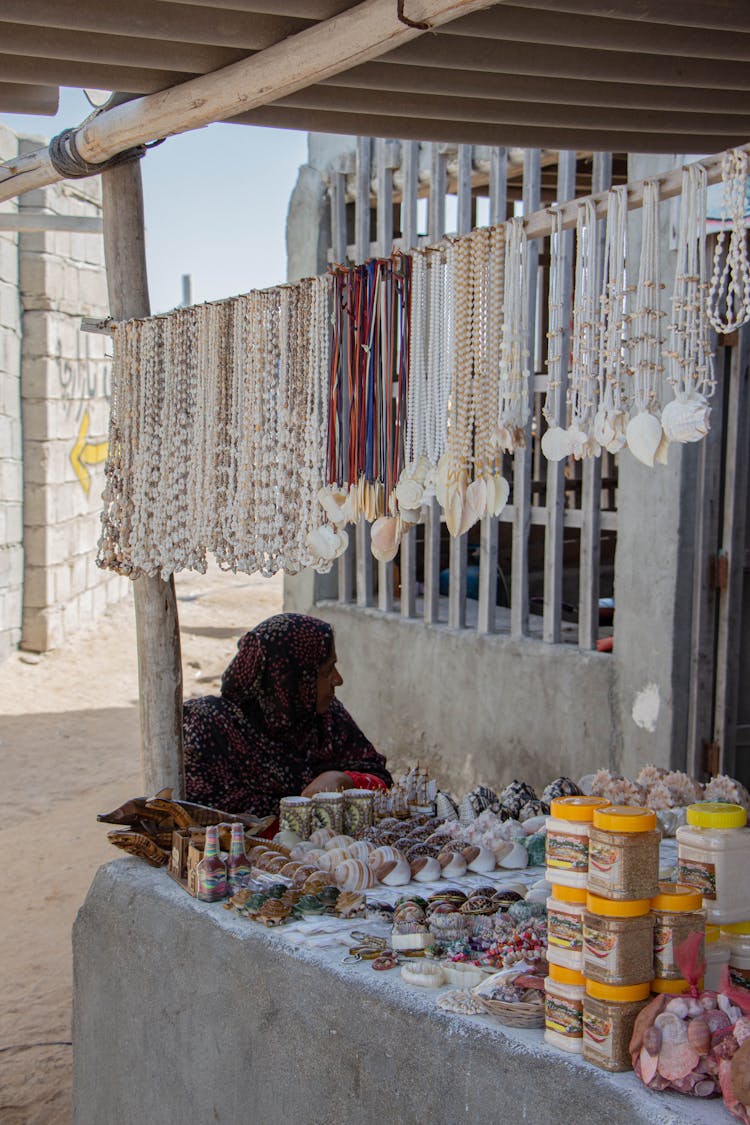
184 1012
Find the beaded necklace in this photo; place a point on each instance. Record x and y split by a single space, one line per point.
513 390
729 298
611 418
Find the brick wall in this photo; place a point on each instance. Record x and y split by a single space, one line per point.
11 474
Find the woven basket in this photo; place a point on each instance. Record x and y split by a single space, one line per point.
514 1015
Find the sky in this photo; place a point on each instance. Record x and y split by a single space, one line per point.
215 203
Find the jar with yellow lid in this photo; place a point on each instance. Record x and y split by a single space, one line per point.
674 987
717 956
738 936
566 907
624 853
618 941
713 854
567 840
609 1013
564 990
678 913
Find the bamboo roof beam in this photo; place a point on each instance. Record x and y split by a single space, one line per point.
357 35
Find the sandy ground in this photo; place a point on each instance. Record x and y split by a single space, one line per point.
69 749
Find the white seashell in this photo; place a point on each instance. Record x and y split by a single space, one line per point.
686 419
429 872
383 854
333 500
338 842
453 865
474 504
441 479
661 457
288 838
455 493
534 824
582 444
501 849
555 443
354 875
409 516
325 542
609 429
501 488
409 492
516 857
537 896
395 873
302 849
643 436
485 861
320 835
359 849
385 538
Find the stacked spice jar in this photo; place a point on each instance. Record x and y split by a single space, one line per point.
618 928
677 913
567 853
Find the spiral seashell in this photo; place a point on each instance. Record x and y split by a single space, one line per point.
453 864
354 875
316 881
301 874
360 849
319 837
384 854
330 860
338 842
273 866
290 868
299 851
484 860
425 869
515 858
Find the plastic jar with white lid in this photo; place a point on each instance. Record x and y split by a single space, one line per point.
564 990
717 956
567 840
566 907
713 854
738 936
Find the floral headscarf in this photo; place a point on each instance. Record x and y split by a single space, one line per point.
262 738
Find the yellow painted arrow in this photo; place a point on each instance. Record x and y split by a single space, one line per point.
86 453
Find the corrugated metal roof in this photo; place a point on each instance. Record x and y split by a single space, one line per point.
639 75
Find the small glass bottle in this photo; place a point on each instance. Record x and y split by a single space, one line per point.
238 865
211 871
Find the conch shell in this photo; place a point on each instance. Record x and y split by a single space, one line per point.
385 538
644 434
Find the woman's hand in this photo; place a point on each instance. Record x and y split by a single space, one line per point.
331 781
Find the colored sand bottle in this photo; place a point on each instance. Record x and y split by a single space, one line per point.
211 871
238 865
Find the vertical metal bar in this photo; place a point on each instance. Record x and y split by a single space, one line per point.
436 229
730 621
459 545
338 216
498 185
591 490
432 564
384 225
519 590
553 546
408 550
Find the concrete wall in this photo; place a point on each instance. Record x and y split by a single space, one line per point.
11 470
54 393
487 709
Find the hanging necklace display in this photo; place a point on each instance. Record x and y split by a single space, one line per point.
555 439
690 363
729 298
513 390
611 417
644 432
584 363
454 465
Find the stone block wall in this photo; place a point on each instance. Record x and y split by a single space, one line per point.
54 410
11 472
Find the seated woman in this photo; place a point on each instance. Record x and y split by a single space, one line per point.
277 728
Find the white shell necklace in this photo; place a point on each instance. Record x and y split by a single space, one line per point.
644 432
729 299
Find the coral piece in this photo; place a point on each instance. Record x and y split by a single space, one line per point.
724 788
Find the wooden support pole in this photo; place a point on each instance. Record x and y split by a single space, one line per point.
159 661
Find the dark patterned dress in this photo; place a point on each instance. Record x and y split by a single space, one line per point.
262 738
